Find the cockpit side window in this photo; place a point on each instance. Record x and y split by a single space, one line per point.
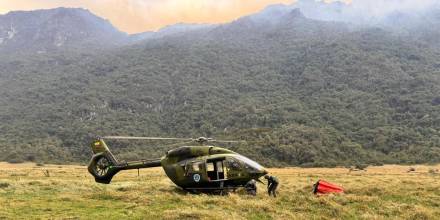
233 164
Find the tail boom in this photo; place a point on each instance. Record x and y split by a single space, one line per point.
103 165
141 164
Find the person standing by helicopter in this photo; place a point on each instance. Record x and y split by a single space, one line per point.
272 185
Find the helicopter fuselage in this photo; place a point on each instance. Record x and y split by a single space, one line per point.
209 167
193 168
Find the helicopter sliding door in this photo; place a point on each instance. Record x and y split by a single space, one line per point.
215 169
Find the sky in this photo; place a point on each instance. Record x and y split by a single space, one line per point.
135 16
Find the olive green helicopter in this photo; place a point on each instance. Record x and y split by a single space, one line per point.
202 168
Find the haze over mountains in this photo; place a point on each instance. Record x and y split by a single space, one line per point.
304 84
70 27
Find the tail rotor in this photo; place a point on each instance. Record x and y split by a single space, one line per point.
103 165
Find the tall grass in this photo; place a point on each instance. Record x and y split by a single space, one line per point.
387 192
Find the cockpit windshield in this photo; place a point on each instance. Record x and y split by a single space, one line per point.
249 163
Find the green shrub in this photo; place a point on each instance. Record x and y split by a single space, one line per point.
4 185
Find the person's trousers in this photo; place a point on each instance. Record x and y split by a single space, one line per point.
273 189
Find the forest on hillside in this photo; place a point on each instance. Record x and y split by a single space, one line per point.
299 92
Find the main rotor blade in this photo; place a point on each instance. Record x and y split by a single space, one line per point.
180 144
223 141
171 139
144 138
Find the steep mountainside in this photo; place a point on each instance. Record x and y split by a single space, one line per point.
72 29
44 30
300 91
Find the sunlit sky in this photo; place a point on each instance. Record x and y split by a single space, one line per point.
135 16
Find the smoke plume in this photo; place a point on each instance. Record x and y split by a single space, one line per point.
363 11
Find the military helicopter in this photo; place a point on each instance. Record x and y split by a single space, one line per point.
202 168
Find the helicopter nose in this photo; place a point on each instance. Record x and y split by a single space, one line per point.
257 173
261 172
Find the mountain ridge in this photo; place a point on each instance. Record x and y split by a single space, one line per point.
54 28
79 19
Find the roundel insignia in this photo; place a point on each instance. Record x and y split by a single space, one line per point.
196 177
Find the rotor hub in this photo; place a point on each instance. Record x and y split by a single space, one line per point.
202 140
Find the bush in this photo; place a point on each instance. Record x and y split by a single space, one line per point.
433 171
30 157
15 160
361 166
4 185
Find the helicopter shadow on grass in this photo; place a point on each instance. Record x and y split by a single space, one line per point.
180 191
176 190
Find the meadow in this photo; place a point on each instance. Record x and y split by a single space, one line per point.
30 191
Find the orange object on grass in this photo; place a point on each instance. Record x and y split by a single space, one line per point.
323 187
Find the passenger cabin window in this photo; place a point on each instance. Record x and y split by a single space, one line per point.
220 166
215 170
192 167
196 166
209 167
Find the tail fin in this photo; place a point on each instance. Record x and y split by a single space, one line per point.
103 165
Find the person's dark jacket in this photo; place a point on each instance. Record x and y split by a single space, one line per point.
272 180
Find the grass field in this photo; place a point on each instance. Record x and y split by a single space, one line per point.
69 192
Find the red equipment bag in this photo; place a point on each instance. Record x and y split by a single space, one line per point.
323 187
